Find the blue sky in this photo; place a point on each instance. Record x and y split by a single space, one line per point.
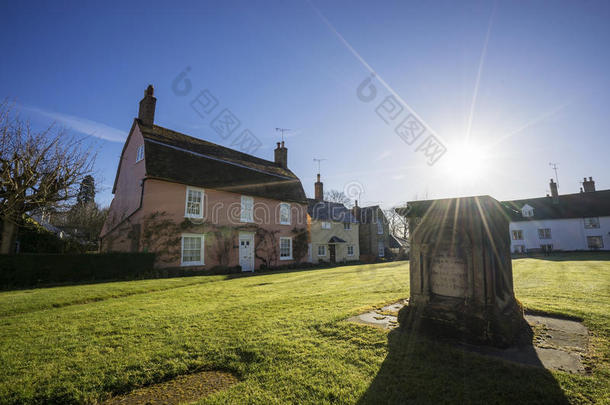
530 80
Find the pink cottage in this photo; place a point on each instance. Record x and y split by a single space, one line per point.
202 205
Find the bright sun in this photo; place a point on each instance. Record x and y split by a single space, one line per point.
466 162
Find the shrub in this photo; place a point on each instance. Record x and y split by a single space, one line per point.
33 238
28 270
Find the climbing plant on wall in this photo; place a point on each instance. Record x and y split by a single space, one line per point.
266 246
161 235
300 242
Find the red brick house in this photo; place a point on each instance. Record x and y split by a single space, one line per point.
199 204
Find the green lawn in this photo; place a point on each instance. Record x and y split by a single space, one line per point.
284 336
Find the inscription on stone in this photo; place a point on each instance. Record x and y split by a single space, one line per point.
448 276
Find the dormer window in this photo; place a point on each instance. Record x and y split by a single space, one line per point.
140 153
527 211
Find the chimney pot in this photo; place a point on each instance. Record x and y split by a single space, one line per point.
319 190
554 192
146 114
281 155
588 186
356 211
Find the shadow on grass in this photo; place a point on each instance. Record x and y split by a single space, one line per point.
420 370
325 266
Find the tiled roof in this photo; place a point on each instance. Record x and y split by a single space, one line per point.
180 158
369 214
579 205
329 211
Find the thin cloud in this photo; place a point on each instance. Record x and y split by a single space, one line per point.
385 154
82 125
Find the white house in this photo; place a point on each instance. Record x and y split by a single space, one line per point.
561 222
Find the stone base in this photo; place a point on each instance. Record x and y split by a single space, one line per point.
471 325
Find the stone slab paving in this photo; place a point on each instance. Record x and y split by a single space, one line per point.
559 344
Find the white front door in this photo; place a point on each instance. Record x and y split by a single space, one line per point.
246 251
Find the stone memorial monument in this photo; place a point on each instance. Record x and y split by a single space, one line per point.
461 272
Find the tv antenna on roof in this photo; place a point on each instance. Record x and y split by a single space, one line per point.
318 160
282 130
554 167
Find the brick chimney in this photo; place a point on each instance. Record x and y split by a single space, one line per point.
281 155
554 192
588 185
356 210
147 107
319 189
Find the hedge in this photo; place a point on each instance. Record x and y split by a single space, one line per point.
29 270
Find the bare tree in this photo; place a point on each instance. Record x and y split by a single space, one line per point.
38 170
397 224
338 197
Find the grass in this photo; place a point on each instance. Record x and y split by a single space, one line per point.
284 335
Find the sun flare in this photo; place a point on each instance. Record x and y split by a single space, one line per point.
467 162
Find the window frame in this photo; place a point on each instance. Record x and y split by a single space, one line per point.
348 248
326 225
600 237
202 249
283 238
186 202
323 248
379 227
285 204
347 226
544 235
518 232
140 153
242 218
593 225
380 249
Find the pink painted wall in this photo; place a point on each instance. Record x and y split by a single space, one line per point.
220 208
129 183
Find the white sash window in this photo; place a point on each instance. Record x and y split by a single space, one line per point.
247 208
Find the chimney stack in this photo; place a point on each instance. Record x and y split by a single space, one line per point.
356 211
281 155
554 192
147 107
588 185
319 190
